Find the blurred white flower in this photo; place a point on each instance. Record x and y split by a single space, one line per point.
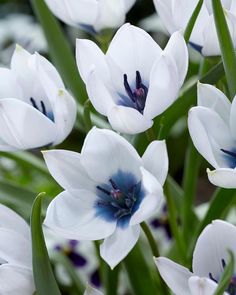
209 260
93 15
109 191
16 275
135 80
35 108
91 291
212 129
175 15
21 29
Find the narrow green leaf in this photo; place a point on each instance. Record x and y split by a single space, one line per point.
140 277
226 45
43 275
192 21
111 280
226 276
60 50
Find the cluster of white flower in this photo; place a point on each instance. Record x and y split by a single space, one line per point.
109 190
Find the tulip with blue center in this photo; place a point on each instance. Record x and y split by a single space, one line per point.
175 15
210 257
91 15
212 129
35 108
109 191
16 274
135 80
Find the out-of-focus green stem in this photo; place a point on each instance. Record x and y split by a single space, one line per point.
151 240
226 45
192 21
87 117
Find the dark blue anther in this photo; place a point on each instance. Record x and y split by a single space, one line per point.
43 110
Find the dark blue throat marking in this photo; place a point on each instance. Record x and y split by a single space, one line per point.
230 157
42 109
196 47
88 28
136 96
231 289
119 199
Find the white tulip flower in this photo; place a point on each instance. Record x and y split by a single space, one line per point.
175 15
16 275
135 80
92 15
35 108
91 291
212 129
109 191
209 260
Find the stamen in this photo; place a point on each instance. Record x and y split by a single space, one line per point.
33 103
113 184
211 277
138 80
103 190
223 263
128 89
43 108
232 154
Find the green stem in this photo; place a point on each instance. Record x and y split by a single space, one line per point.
192 21
150 239
173 218
150 133
87 118
226 45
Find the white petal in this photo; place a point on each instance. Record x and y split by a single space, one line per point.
15 248
116 247
100 96
67 170
134 50
223 177
163 88
211 44
89 56
175 275
9 86
10 220
65 111
177 49
14 278
232 120
212 246
155 160
128 120
24 127
104 153
19 61
164 10
72 215
129 4
202 286
209 134
212 98
153 198
91 291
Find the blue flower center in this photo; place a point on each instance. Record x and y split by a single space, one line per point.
137 95
42 108
120 198
232 285
230 157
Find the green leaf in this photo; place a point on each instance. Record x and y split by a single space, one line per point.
192 21
43 275
140 277
226 45
226 276
60 50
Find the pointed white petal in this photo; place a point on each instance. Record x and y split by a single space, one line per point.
212 246
104 153
212 98
177 49
134 50
232 120
155 160
67 170
116 247
163 88
9 86
164 10
209 134
89 56
128 120
202 286
175 275
72 215
223 177
153 198
14 278
24 127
